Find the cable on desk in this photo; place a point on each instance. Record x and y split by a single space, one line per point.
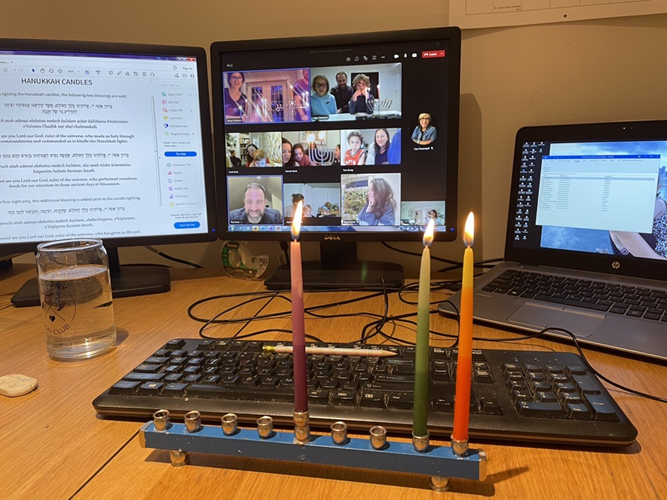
104 464
169 257
597 373
418 254
246 322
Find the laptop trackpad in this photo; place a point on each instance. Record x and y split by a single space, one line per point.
581 323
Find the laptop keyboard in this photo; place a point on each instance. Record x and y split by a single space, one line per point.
632 301
526 396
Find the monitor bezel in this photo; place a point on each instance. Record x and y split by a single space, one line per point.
452 34
78 47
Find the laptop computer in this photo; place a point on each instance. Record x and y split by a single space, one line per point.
587 210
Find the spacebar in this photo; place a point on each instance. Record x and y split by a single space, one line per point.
240 392
568 302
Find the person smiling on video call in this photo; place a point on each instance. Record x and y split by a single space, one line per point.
254 209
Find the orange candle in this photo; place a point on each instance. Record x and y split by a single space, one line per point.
464 363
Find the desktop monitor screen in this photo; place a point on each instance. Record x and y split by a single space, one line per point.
104 140
363 129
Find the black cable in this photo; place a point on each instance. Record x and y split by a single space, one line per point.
375 326
597 373
174 259
417 254
115 454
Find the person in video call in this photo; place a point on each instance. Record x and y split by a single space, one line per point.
424 133
254 209
322 103
301 93
362 99
307 211
236 102
355 154
250 151
288 157
336 156
234 161
380 147
323 211
342 93
301 157
296 198
394 149
260 159
256 112
651 245
433 214
381 207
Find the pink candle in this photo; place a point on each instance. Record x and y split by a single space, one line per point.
298 329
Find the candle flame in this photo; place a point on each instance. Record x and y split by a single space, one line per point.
296 220
469 231
428 234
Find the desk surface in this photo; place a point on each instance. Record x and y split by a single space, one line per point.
55 446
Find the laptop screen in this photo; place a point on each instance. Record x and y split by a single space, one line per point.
593 193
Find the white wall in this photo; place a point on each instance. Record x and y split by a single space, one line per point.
586 71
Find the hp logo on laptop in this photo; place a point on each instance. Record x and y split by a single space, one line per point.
616 265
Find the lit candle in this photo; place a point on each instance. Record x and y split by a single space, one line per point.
421 404
298 329
464 368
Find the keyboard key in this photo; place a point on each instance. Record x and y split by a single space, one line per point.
490 407
539 409
401 401
586 384
124 387
150 388
372 399
144 377
344 398
578 411
318 396
148 368
175 344
240 392
601 408
174 389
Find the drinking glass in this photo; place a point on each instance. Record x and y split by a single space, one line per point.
75 293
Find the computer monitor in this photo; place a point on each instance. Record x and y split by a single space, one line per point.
363 128
104 140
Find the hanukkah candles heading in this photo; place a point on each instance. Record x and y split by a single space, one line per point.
421 402
298 329
464 363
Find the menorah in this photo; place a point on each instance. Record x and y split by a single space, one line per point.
321 156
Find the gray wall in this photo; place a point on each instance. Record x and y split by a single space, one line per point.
613 69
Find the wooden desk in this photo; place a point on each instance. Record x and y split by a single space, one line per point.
55 446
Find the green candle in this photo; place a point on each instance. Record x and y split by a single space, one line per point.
421 404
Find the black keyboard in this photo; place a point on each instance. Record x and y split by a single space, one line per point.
639 302
518 396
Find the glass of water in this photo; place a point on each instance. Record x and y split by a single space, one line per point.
75 293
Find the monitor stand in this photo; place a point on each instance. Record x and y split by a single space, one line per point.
338 269
126 281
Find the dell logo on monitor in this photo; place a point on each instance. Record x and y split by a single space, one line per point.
332 237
